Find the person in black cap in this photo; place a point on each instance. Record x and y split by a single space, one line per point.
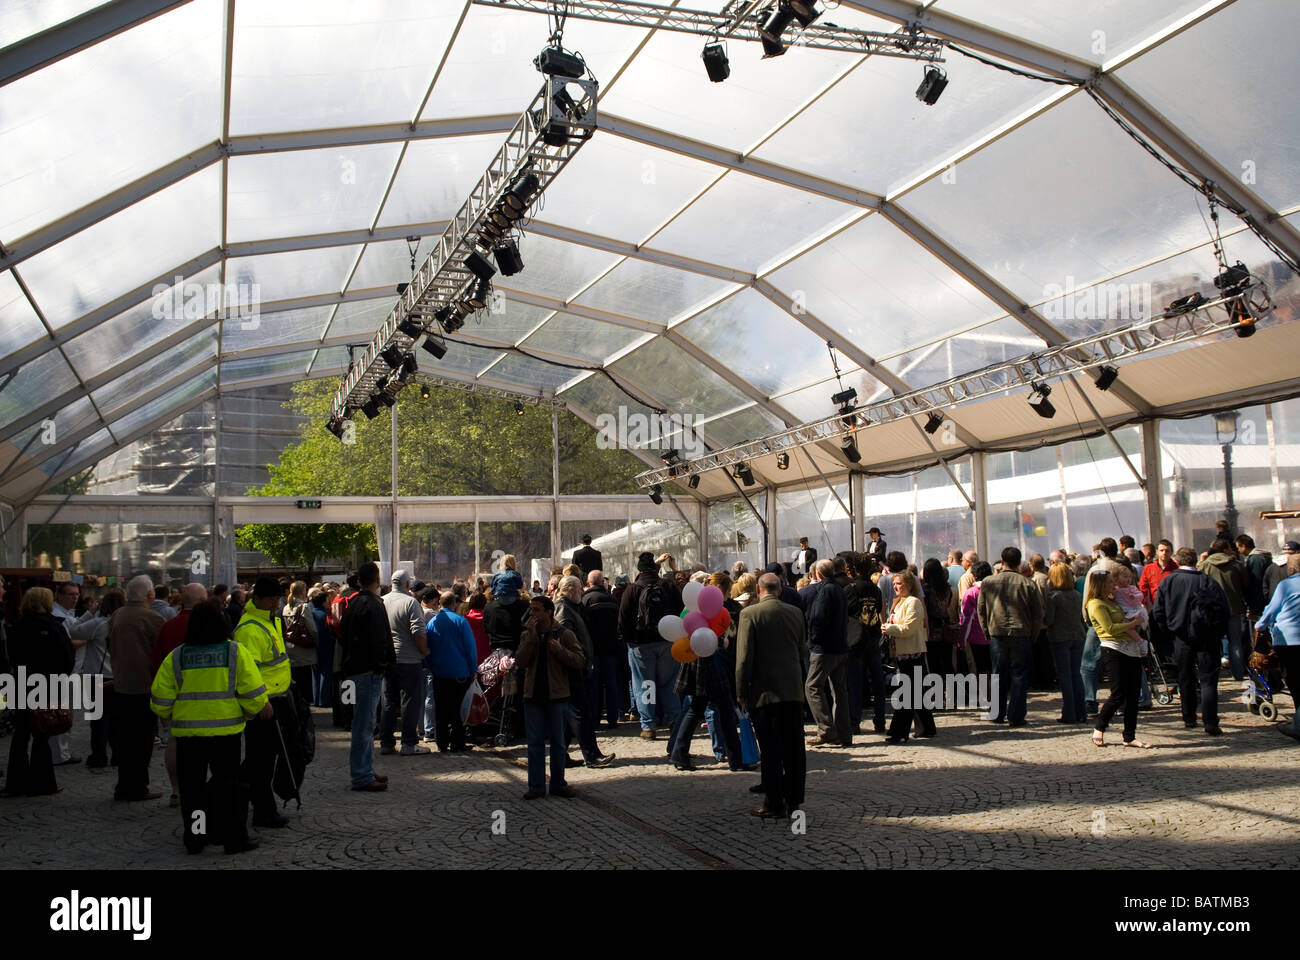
585 557
876 547
804 559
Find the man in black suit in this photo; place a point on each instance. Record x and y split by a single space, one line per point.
805 558
1198 657
876 546
585 557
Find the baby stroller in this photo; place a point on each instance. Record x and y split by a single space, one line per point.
1158 673
1257 693
499 680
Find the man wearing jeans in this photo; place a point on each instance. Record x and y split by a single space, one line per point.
654 671
1011 615
367 644
406 624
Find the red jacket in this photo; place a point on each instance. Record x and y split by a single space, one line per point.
171 636
475 618
1149 582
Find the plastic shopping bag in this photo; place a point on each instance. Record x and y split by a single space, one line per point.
474 706
748 742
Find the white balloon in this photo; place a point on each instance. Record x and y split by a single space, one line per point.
704 642
691 595
671 628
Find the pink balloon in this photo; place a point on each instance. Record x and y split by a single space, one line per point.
709 602
694 621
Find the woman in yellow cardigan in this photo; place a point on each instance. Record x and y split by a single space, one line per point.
1122 653
907 630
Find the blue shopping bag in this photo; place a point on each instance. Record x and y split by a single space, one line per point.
748 742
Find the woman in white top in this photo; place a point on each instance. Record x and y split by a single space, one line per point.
907 630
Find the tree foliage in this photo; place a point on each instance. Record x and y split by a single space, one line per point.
303 544
58 541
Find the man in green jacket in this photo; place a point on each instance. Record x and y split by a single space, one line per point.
1226 569
770 651
1011 615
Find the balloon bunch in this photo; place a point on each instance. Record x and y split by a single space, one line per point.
695 631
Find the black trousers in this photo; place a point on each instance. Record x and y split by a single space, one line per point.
31 768
221 801
100 737
1125 677
1197 666
584 694
302 679
341 712
448 731
132 726
261 747
1290 657
783 764
900 724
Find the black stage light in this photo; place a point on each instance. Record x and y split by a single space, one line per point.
478 265
392 355
519 409
401 288
555 62
805 11
1185 304
497 218
490 234
844 396
479 298
437 348
932 86
335 426
1038 400
670 458
744 474
1106 376
850 447
770 33
370 408
933 422
386 398
715 62
1233 279
783 461
424 391
657 493
409 367
521 193
694 481
509 262
410 327
1239 310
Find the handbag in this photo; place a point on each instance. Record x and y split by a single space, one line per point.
748 742
51 723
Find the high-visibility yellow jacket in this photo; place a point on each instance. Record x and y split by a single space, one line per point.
208 690
263 636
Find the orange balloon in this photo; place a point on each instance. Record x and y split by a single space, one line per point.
682 651
721 622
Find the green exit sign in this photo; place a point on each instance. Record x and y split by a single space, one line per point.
309 504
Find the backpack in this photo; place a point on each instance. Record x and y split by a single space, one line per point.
1208 612
652 605
296 631
334 618
869 617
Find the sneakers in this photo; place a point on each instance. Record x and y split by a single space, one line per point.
604 760
647 734
410 751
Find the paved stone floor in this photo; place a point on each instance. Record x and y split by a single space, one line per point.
976 796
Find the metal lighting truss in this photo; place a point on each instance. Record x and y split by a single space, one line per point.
1211 317
743 24
443 274
483 389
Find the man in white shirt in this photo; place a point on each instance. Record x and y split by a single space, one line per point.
65 604
804 558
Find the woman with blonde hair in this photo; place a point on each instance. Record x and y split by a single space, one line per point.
507 584
1063 618
1122 653
908 629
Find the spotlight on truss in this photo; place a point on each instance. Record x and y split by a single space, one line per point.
715 62
509 262
424 391
558 62
771 33
694 482
435 347
657 493
850 447
744 474
1106 376
783 461
933 422
932 86
479 265
1038 400
410 327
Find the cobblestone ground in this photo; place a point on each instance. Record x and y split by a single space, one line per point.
976 796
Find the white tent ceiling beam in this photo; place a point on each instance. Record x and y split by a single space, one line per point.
49 46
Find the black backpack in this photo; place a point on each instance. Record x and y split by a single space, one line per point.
652 605
1207 617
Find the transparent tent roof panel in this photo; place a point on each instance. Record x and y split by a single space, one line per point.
671 378
388 263
506 321
270 329
35 383
283 276
436 176
581 338
20 19
109 114
173 401
553 268
195 355
19 321
648 291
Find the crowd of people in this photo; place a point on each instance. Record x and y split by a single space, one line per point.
812 642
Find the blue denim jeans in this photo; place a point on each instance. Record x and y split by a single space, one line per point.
654 663
1239 642
1068 658
361 759
406 683
1011 662
543 722
1088 667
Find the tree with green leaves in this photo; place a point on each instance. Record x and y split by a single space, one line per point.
58 541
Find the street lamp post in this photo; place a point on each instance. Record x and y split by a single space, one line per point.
1225 428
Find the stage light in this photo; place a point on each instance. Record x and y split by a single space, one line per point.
520 194
424 391
1106 376
435 347
744 474
401 288
386 398
932 86
770 33
392 355
844 396
670 458
556 62
694 481
370 408
715 62
519 409
933 422
478 265
783 461
657 493
805 11
509 262
1239 310
850 447
1235 281
1038 400
410 327
335 426
1185 304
